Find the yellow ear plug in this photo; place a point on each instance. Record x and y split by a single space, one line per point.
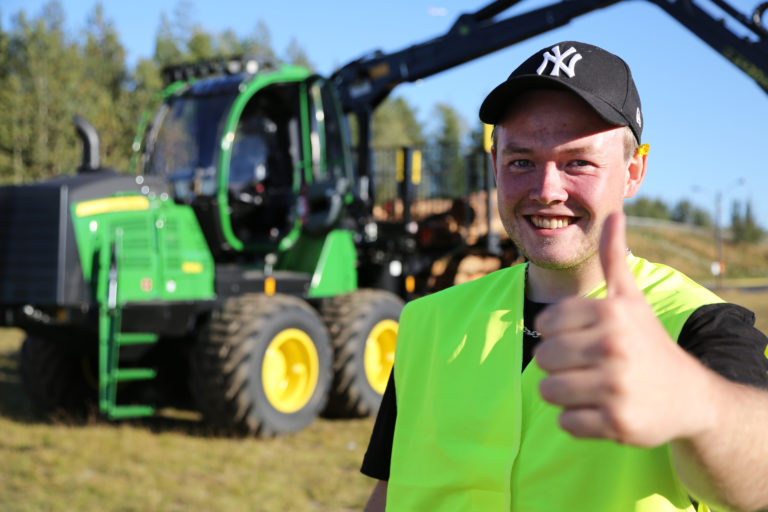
642 150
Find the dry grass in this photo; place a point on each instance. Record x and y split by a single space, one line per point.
169 464
692 251
757 301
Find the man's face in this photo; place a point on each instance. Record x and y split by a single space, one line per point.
560 170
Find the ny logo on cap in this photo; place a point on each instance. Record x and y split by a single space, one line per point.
558 62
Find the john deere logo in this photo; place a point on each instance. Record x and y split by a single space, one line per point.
558 62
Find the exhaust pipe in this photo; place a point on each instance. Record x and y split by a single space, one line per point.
90 141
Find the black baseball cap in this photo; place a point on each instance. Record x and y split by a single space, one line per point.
598 77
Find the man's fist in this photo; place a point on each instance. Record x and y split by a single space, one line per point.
612 366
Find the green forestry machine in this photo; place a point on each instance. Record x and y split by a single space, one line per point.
239 268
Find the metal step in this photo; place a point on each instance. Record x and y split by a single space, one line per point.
135 338
129 374
130 411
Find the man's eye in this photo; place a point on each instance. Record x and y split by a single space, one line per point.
520 163
580 165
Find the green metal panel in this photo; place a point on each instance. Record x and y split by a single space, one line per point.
332 261
161 250
303 256
336 270
186 262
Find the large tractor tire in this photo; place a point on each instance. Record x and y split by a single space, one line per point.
58 378
262 366
363 326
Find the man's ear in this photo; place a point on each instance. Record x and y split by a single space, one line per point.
635 173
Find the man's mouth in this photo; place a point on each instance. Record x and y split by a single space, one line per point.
551 222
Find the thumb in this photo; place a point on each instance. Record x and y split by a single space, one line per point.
613 257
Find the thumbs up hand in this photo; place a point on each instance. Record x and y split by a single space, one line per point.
611 365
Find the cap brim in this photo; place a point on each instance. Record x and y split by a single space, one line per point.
495 105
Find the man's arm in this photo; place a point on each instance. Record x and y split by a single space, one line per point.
618 375
726 463
378 499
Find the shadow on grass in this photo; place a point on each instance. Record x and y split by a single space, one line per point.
16 406
14 403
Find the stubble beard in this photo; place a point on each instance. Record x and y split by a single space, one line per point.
572 259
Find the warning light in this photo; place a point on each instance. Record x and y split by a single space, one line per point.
270 286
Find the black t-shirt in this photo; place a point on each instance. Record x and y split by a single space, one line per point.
721 336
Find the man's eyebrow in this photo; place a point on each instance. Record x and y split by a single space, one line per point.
518 150
579 150
510 149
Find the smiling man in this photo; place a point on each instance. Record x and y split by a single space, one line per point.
585 379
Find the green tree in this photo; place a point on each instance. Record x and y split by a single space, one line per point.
744 228
686 212
104 77
167 46
296 54
395 125
649 208
446 151
200 45
259 42
41 74
737 224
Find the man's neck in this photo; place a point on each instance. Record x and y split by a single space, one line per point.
553 285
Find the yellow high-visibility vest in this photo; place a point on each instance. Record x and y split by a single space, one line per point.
472 432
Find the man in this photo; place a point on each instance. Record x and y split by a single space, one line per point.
643 392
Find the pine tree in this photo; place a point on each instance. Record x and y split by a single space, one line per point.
446 152
103 82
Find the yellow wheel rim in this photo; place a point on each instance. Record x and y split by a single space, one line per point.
380 354
290 370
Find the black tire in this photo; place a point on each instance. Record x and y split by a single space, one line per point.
229 360
352 319
55 377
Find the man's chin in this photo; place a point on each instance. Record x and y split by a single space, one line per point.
571 260
552 264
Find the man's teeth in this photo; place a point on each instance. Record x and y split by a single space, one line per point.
550 222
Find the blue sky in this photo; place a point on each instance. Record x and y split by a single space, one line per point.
706 121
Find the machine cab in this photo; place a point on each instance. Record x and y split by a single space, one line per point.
262 157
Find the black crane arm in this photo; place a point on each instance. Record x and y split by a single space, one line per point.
750 54
364 83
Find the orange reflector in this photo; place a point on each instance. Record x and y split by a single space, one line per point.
410 284
270 286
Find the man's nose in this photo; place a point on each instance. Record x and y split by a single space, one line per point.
548 187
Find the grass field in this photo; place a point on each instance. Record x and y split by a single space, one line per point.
169 463
172 464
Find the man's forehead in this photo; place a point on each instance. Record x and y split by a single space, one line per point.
510 140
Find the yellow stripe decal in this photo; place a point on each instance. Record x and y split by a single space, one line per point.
192 267
111 205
